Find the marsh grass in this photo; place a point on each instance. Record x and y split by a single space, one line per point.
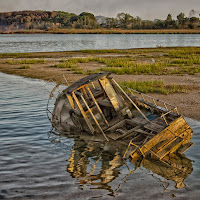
30 61
9 55
156 86
183 52
88 72
190 60
25 67
138 68
106 51
66 64
175 61
191 70
127 65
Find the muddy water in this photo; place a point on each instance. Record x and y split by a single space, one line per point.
36 164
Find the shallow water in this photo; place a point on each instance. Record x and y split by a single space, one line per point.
57 42
36 164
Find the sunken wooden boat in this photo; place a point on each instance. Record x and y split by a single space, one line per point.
98 105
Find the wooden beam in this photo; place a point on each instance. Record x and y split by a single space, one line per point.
83 113
94 117
97 105
130 100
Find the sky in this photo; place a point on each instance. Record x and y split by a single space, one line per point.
146 9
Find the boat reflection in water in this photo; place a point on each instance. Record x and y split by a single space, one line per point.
96 164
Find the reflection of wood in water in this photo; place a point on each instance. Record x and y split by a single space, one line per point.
107 160
80 164
174 167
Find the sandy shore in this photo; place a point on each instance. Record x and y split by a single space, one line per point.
188 103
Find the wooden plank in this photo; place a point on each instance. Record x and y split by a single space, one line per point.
132 135
83 113
168 133
171 147
185 147
154 126
138 120
119 124
144 132
71 102
94 118
113 97
97 105
128 132
130 100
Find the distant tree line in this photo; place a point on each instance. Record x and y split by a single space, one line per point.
126 21
46 20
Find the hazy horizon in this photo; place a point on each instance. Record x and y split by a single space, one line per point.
146 9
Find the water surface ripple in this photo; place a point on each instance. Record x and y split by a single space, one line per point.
22 43
35 164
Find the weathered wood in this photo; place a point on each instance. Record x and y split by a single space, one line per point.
132 135
176 128
119 124
171 147
154 126
139 120
83 113
113 97
131 100
97 105
71 102
128 132
94 118
144 132
185 147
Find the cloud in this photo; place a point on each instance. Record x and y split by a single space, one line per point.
147 9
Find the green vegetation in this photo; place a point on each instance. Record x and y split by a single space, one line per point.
107 51
157 61
138 68
155 86
25 67
45 20
17 62
123 22
133 64
66 64
7 55
153 61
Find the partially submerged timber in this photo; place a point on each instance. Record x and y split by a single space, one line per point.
97 104
98 164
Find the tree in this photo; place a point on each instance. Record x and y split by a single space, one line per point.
89 15
125 20
137 22
194 23
169 18
181 18
170 23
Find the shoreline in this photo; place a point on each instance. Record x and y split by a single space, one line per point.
104 31
188 103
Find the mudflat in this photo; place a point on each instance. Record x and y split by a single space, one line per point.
174 72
